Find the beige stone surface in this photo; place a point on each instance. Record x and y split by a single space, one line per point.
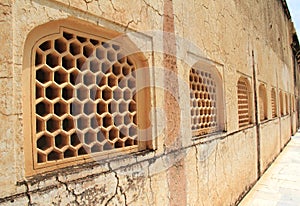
233 36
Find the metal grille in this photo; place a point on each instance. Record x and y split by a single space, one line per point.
203 102
84 97
273 103
243 103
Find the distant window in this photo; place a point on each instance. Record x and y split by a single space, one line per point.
281 104
263 109
243 92
287 106
273 103
203 102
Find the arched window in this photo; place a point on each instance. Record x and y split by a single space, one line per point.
287 106
205 92
84 100
273 103
263 109
281 103
244 105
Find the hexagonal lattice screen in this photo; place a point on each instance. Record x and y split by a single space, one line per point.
84 97
203 102
243 102
273 103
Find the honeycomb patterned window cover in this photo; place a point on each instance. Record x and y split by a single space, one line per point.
281 104
287 108
203 102
243 102
273 103
85 100
263 112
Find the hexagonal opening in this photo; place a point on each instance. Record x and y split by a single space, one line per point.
60 45
39 125
118 120
53 124
119 144
122 82
52 60
60 108
75 77
39 91
39 58
100 53
61 140
81 39
60 76
108 146
96 148
67 35
116 47
129 142
54 155
82 93
83 150
127 119
113 133
101 107
68 124
106 94
134 119
88 50
68 62
74 139
69 153
89 108
90 137
82 123
67 92
101 80
45 46
132 106
53 92
127 94
107 121
117 69
129 62
102 135
105 45
42 108
125 70
112 80
117 94
76 108
111 55
41 157
131 83
123 132
89 78
95 65
94 42
44 142
95 122
95 93
43 75
123 107
75 48
81 63
106 67
132 131
121 58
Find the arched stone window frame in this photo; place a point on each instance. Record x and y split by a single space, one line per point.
263 100
274 102
244 102
53 30
205 68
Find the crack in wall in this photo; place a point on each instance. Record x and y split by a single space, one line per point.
67 188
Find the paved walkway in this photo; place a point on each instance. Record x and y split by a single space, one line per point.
280 185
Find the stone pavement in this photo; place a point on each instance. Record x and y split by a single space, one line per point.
280 185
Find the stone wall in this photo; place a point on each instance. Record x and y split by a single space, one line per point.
239 38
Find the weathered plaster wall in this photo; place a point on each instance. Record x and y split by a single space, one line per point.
238 36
